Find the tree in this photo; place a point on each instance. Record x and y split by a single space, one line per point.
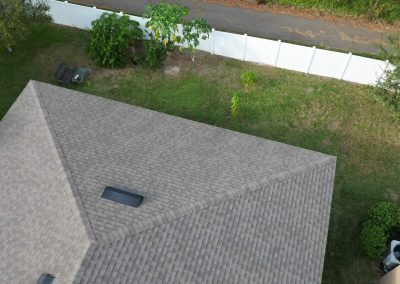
388 89
164 22
166 27
111 37
193 31
18 18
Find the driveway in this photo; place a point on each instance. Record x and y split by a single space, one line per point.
265 24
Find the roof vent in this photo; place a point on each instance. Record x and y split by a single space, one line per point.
45 278
122 196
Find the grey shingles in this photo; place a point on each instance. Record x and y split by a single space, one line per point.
41 226
219 206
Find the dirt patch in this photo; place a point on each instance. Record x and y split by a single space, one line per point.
172 70
310 90
102 73
393 195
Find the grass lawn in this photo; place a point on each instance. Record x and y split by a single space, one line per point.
325 115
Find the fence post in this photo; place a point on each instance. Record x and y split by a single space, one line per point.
245 47
345 66
277 52
213 41
311 59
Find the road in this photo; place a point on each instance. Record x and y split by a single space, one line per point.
296 29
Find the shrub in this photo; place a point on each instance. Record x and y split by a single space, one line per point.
193 31
248 79
373 9
163 25
373 239
111 37
388 90
235 104
18 18
156 53
381 221
384 214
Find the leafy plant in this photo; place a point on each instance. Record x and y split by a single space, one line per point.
384 214
235 104
164 27
193 31
18 18
388 10
248 79
381 221
388 89
155 53
373 239
166 21
111 37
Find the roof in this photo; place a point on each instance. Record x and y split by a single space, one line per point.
219 206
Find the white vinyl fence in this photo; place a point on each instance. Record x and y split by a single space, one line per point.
310 60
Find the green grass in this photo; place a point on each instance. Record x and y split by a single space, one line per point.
325 115
388 10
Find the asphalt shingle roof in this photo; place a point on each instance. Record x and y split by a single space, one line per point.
219 207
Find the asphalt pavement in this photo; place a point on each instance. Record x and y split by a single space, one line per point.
337 35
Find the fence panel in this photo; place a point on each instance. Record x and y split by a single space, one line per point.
294 57
229 45
60 13
84 16
260 50
288 56
328 63
364 70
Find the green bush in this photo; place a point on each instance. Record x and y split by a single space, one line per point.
384 214
248 79
166 20
388 10
388 90
19 18
381 221
373 239
156 53
111 37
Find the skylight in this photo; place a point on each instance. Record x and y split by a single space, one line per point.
45 278
122 196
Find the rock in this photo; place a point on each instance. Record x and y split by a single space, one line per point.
172 70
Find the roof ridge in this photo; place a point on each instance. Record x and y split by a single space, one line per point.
36 93
173 214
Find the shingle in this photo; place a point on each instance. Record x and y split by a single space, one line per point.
220 206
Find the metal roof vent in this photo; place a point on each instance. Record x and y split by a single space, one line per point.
45 278
122 196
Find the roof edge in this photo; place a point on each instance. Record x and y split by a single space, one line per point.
36 93
173 214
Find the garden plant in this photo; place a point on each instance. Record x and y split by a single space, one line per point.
167 28
382 221
111 38
18 18
388 89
